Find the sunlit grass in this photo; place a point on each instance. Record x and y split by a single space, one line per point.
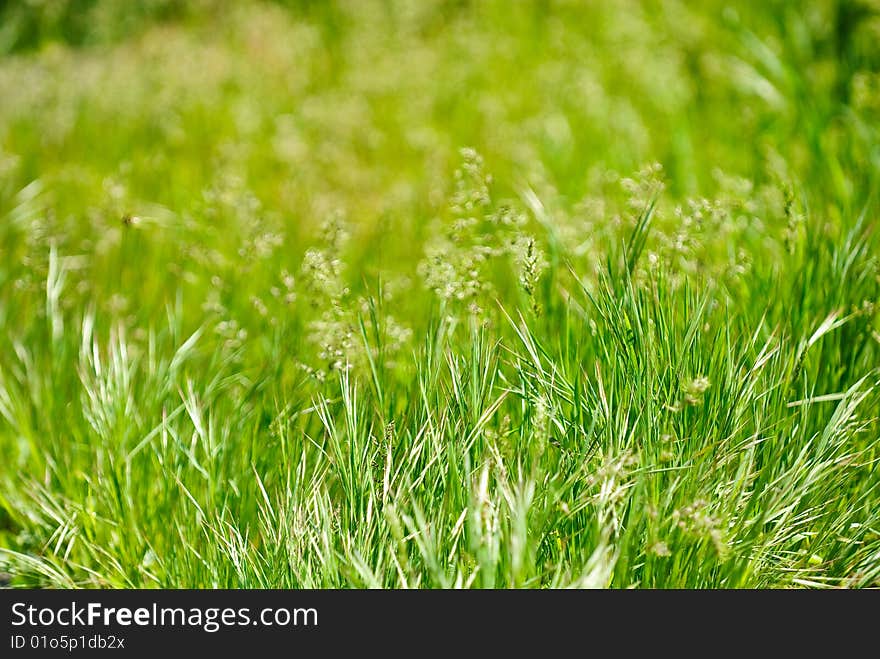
432 294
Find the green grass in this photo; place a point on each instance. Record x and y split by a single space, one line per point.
439 294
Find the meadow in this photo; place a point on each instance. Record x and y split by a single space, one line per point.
439 293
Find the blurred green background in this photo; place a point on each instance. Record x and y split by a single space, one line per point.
267 116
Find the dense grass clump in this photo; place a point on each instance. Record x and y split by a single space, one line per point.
439 294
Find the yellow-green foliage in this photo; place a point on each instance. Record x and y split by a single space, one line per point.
439 293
